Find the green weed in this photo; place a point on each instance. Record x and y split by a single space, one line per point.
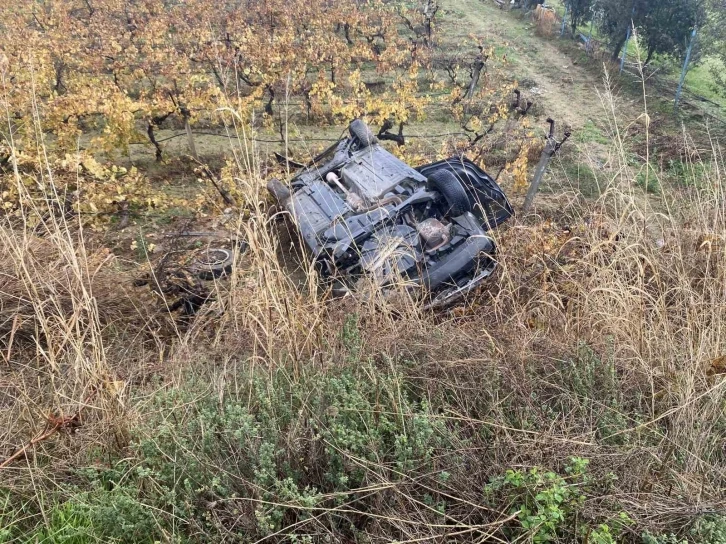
706 530
581 176
648 178
547 505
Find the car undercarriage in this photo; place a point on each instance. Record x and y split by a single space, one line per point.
364 213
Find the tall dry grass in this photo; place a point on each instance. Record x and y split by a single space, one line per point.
637 279
601 340
640 279
71 331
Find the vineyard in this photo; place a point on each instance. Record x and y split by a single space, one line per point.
578 396
88 81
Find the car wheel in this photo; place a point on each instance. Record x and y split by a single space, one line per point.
213 263
360 131
452 190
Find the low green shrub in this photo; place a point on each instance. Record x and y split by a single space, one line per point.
706 530
275 452
355 451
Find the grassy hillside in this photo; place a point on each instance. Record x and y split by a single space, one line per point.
578 397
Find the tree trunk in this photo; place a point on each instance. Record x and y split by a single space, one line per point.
268 106
152 139
429 13
155 122
383 134
190 138
308 104
475 75
574 22
618 47
649 56
217 76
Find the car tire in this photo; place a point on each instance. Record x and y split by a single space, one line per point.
213 263
360 131
452 190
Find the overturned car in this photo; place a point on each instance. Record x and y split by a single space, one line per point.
363 212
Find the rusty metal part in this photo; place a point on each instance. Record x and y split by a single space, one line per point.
434 233
355 202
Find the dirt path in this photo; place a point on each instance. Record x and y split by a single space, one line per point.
564 90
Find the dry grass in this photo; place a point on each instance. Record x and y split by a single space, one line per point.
72 332
545 19
594 341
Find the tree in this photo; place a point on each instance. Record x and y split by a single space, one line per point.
715 40
103 74
617 16
579 11
104 66
663 25
667 27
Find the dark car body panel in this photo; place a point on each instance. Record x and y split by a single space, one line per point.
488 200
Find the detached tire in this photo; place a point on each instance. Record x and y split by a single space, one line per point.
360 131
452 190
213 263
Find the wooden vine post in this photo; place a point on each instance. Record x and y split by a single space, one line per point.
550 149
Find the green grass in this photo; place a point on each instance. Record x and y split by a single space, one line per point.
700 80
590 132
577 175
